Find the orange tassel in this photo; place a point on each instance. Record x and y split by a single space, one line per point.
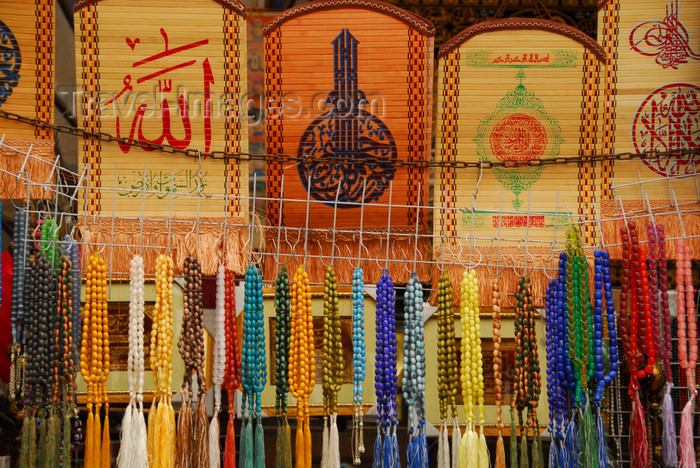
88 437
230 450
106 461
96 439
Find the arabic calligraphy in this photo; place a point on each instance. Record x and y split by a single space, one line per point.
669 119
667 39
159 183
524 58
10 62
166 115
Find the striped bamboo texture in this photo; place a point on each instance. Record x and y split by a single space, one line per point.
31 24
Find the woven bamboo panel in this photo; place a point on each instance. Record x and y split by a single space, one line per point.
338 52
652 90
27 89
172 74
148 71
515 89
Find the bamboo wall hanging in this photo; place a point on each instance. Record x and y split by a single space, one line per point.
348 80
172 81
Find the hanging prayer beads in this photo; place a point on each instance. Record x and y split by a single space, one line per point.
687 348
232 374
253 371
386 450
17 317
447 363
359 360
498 371
332 368
414 373
161 419
302 362
94 361
65 366
283 454
218 366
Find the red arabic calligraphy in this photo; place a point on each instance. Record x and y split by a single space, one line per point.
165 85
667 39
669 119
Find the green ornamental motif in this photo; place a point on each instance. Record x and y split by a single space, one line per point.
519 129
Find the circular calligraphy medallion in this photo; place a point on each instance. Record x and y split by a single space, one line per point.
667 120
518 136
350 140
10 62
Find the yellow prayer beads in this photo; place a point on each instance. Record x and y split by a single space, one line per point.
472 377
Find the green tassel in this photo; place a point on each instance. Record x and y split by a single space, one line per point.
65 452
247 444
588 457
259 461
537 454
524 460
513 441
32 454
283 457
43 442
53 441
24 448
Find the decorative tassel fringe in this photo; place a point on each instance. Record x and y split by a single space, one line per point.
259 453
638 435
553 455
524 459
484 458
307 439
125 458
89 433
230 448
53 440
464 448
97 439
377 461
395 457
106 452
200 458
283 456
600 441
65 450
214 448
513 440
587 456
28 435
334 442
686 449
500 453
571 444
43 440
151 432
140 444
537 454
184 435
669 446
456 437
471 451
247 444
325 455
299 441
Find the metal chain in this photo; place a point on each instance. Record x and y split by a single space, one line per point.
284 158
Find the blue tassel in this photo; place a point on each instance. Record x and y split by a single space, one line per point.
562 453
395 457
600 442
386 452
554 455
411 454
259 461
378 459
571 445
424 451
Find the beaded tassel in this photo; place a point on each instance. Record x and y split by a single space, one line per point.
161 421
359 360
232 374
447 366
253 371
497 371
283 454
132 452
302 362
687 348
414 373
385 375
332 366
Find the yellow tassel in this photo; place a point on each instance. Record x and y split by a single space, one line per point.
167 443
307 442
106 461
96 439
88 437
151 432
299 441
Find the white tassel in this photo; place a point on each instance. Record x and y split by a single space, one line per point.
126 451
334 443
214 448
441 447
140 447
472 449
456 438
463 447
325 455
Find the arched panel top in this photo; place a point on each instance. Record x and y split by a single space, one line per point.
411 20
513 24
234 5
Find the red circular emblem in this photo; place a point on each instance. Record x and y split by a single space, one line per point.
669 119
520 137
